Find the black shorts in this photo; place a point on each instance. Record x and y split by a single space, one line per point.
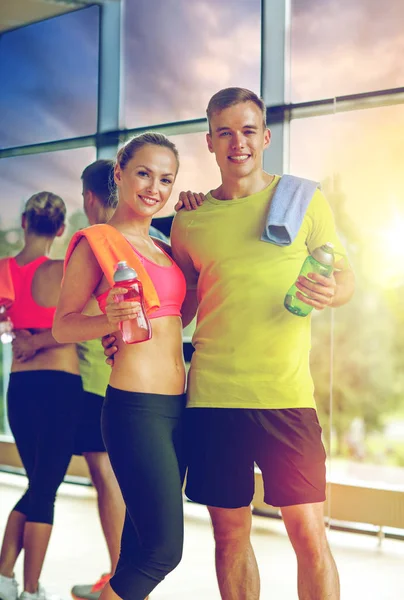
223 445
88 436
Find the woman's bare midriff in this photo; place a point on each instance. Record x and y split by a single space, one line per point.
156 366
60 358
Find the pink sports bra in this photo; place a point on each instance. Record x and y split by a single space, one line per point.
170 285
25 313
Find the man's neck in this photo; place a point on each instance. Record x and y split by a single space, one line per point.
231 189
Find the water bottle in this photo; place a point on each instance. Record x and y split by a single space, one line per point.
320 261
138 329
6 325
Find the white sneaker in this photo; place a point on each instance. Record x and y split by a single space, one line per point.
40 594
8 588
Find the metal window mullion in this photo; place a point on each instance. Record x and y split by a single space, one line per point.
107 138
275 78
109 78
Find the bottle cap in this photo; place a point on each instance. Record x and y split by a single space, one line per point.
324 254
123 272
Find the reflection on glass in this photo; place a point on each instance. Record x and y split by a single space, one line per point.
342 47
49 90
192 50
22 176
2 395
358 158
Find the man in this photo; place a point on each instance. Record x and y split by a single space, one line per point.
250 393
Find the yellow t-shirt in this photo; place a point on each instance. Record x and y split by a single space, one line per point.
250 352
94 371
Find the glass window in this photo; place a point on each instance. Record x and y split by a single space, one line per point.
5 364
342 47
22 176
357 156
179 53
198 169
48 91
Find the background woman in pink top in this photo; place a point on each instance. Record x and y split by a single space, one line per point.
43 395
144 405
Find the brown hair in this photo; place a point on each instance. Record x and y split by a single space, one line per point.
45 213
152 138
231 96
99 179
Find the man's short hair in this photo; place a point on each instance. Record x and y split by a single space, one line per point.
99 179
231 96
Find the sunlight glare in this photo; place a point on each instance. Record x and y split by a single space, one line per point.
389 253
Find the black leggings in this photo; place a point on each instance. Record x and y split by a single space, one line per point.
143 437
42 412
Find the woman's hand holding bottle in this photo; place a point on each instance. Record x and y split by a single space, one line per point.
117 309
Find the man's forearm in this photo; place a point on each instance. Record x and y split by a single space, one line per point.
345 287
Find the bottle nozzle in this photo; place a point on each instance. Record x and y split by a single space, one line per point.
122 264
123 272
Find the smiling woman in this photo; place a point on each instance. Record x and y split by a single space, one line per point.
143 409
152 181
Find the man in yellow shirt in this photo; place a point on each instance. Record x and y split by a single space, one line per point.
250 392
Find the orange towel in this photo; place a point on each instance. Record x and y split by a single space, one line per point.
6 283
109 247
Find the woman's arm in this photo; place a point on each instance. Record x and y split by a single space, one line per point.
82 278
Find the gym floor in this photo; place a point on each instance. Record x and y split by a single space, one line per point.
77 553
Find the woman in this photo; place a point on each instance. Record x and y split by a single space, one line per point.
43 395
143 409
